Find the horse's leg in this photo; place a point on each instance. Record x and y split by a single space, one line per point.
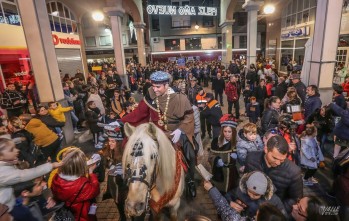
174 211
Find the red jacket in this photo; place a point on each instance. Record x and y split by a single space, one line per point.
231 91
346 87
269 86
65 191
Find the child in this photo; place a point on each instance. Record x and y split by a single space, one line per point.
311 154
247 93
57 112
248 141
93 116
72 186
10 175
253 110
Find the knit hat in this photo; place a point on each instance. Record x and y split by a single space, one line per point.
160 77
257 183
228 120
112 130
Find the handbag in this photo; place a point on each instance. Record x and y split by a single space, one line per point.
64 213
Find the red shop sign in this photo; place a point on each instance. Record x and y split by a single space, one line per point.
66 41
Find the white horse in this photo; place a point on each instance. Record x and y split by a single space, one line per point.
153 171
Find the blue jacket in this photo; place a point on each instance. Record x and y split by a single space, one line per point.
341 129
311 104
310 149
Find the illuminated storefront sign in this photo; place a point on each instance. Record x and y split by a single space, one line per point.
297 32
63 40
181 10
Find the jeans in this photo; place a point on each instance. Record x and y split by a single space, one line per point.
237 108
74 119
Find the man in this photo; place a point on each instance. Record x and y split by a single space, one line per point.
218 86
233 68
205 74
300 87
212 112
312 101
79 75
260 92
281 88
173 113
286 175
193 90
12 101
113 77
231 90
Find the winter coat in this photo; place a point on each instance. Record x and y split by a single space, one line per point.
311 104
226 212
43 136
260 93
58 113
251 77
92 118
341 129
310 149
10 175
253 205
9 98
281 90
253 111
287 177
301 90
98 101
25 146
340 101
324 124
247 94
212 113
270 119
231 90
218 85
65 188
244 146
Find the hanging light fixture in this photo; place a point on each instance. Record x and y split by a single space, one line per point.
269 9
98 16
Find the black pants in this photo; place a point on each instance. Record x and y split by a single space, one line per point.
204 125
237 108
206 81
216 130
220 94
51 150
309 173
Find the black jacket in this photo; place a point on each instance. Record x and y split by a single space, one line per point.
281 90
260 93
270 119
218 85
25 146
212 113
287 178
92 116
301 90
50 121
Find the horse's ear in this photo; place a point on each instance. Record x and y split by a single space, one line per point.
129 129
152 130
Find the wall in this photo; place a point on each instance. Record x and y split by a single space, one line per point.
209 43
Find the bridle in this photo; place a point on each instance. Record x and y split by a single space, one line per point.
132 176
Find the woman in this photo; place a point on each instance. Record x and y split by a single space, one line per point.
94 96
47 119
117 102
112 155
292 99
72 186
223 155
271 114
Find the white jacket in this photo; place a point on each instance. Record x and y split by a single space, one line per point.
10 175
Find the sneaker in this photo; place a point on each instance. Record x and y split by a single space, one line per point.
314 180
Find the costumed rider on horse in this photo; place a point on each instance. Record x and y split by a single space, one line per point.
172 113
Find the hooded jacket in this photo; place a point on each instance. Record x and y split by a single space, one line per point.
58 113
244 146
65 188
253 205
310 149
43 136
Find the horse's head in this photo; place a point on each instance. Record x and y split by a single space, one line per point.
140 164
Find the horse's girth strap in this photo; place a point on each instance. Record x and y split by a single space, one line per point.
168 196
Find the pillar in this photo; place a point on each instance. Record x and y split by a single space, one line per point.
82 51
252 8
38 36
140 27
324 47
115 11
227 39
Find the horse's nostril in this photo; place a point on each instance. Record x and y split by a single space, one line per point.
139 206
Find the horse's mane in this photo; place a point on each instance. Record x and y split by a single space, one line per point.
163 149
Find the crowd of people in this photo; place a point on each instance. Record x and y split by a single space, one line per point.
258 170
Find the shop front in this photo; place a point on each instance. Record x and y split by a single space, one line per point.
15 58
